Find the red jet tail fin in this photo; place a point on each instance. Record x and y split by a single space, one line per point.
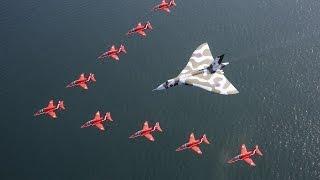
205 140
172 3
122 49
61 105
148 25
108 116
258 150
157 127
92 77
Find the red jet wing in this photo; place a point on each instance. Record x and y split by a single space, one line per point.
166 9
249 161
52 114
100 126
142 33
97 116
83 85
149 136
112 48
243 149
139 26
191 138
50 105
145 125
114 56
196 149
81 78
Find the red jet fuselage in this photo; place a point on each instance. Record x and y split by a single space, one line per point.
142 132
140 29
98 121
146 131
113 52
246 155
165 6
190 145
50 109
82 81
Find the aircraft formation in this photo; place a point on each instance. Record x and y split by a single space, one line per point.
202 70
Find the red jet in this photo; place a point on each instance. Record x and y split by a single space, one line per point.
165 6
193 144
146 131
98 120
140 29
113 52
82 81
50 109
246 155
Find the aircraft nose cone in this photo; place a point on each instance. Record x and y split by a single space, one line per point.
161 87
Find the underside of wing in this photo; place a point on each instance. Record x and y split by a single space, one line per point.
112 48
114 56
83 85
100 126
149 136
142 33
243 149
50 105
191 138
166 9
200 58
81 77
97 116
52 114
196 149
215 82
145 125
249 161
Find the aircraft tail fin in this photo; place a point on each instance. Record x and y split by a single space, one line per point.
61 105
92 77
205 140
148 25
157 127
172 3
122 49
108 116
258 150
220 58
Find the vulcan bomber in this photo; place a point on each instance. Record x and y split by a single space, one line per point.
203 71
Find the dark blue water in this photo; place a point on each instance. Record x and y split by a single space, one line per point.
273 49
